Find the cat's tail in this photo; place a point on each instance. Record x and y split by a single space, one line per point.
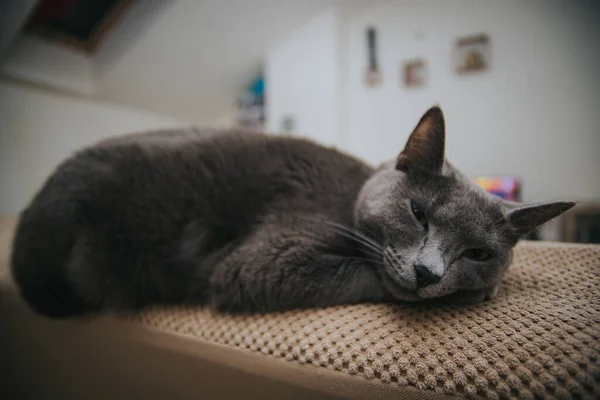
45 235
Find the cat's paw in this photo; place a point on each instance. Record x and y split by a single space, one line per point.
466 297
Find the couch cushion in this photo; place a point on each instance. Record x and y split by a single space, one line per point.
539 338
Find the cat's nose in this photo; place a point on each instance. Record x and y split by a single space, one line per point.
425 276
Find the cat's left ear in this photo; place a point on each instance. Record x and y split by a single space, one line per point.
525 218
424 149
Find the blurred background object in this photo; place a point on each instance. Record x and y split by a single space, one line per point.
473 53
507 188
415 73
251 112
582 223
80 24
517 80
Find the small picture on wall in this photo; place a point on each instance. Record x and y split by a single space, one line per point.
472 54
414 73
372 73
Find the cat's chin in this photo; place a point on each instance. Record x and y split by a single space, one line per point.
434 291
399 292
405 290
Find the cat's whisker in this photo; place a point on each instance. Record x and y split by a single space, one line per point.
502 218
370 231
365 259
353 232
319 240
388 260
359 240
338 245
375 249
374 258
357 233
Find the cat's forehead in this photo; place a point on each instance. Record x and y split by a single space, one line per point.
453 198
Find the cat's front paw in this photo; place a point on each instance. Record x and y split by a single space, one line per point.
466 297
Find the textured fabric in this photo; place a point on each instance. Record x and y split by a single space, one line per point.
540 337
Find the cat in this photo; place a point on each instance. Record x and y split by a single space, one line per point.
246 222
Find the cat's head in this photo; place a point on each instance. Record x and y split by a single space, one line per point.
440 232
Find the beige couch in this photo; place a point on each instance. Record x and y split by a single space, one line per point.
540 338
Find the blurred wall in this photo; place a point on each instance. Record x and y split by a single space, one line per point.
534 114
38 129
302 75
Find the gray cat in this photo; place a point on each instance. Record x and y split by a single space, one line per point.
247 222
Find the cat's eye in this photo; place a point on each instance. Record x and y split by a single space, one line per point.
477 255
419 214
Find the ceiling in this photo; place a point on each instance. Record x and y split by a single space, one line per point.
193 58
188 59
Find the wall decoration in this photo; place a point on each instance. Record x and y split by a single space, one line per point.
372 74
251 106
505 187
472 53
414 73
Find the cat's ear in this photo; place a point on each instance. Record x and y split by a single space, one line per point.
424 149
525 218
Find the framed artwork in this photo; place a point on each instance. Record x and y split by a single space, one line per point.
472 54
372 74
414 73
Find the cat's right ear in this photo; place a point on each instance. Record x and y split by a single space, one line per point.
523 219
424 149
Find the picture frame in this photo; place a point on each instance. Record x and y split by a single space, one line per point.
472 54
414 73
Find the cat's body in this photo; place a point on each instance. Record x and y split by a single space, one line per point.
247 222
148 218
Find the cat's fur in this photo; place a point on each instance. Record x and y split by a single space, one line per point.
249 222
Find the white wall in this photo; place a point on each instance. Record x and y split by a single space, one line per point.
534 114
302 79
39 129
193 59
